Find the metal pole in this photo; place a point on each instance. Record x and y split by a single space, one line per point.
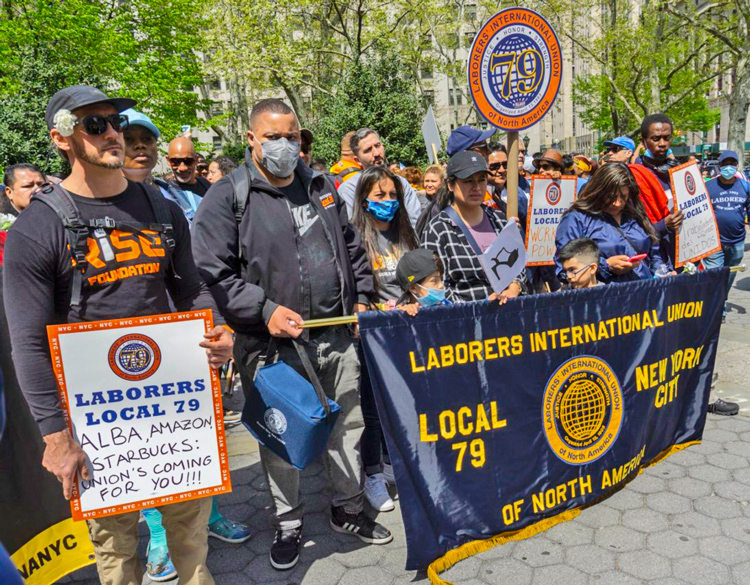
511 185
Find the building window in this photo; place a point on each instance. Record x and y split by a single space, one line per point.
216 110
470 12
426 71
429 97
469 38
215 84
217 143
454 97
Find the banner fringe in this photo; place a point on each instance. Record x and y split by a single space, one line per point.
472 548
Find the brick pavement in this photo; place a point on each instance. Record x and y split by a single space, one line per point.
684 521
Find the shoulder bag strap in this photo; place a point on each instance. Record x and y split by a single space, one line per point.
624 235
310 370
465 229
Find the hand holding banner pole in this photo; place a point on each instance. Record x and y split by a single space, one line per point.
511 185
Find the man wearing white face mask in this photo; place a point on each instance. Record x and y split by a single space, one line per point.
273 243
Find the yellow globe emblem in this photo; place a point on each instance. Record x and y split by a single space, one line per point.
582 410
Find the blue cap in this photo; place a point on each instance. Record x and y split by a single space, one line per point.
464 137
727 155
136 118
623 141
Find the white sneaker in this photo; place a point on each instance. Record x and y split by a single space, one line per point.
376 493
388 473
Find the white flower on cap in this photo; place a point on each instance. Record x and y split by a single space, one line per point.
65 122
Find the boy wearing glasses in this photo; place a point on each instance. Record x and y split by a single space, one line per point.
580 261
41 288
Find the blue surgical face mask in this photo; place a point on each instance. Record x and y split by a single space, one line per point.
728 172
382 210
434 296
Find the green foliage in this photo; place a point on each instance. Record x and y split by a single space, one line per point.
140 48
235 151
374 94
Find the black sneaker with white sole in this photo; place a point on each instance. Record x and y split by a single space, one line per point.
285 548
724 408
359 525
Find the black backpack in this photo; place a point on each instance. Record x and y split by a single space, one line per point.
77 229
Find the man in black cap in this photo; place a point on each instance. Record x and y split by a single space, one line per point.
97 271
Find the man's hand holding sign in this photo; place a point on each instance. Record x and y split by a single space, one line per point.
143 410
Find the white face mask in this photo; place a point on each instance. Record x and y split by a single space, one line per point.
280 157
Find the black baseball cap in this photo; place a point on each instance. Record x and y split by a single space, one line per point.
465 163
77 96
414 266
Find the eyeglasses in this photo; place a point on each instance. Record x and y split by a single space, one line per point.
571 272
96 125
494 167
176 162
614 148
548 167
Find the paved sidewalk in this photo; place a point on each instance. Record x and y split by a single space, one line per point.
684 521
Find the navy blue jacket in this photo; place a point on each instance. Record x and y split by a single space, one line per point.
603 230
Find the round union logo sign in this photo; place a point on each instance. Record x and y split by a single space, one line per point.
134 357
553 194
515 69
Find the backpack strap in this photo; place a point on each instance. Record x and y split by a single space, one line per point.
76 232
240 179
163 216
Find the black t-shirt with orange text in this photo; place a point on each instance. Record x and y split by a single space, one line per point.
127 275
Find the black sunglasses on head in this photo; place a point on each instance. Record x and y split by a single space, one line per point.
494 167
96 124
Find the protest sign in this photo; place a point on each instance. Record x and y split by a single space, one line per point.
431 135
698 235
563 399
514 69
505 258
548 200
143 403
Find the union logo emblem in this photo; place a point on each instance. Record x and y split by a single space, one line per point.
690 183
134 357
582 410
515 69
553 194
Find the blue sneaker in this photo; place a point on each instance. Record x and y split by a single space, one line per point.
159 566
228 531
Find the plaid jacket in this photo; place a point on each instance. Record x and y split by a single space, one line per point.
464 277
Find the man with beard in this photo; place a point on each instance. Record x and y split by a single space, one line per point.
369 151
42 287
183 160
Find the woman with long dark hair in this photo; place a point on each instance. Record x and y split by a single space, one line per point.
609 211
383 223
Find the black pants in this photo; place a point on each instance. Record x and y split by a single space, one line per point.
372 443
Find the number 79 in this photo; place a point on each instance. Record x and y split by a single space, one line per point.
528 80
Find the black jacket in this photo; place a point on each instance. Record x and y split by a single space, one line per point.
249 287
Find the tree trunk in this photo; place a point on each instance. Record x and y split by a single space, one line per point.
739 101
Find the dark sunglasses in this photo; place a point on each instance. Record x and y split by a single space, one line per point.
494 167
96 125
614 148
548 167
188 162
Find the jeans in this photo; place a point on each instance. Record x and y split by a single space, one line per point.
729 255
334 357
373 443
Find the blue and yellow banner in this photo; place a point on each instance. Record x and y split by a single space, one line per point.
503 421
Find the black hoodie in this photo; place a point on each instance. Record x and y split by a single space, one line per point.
248 287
